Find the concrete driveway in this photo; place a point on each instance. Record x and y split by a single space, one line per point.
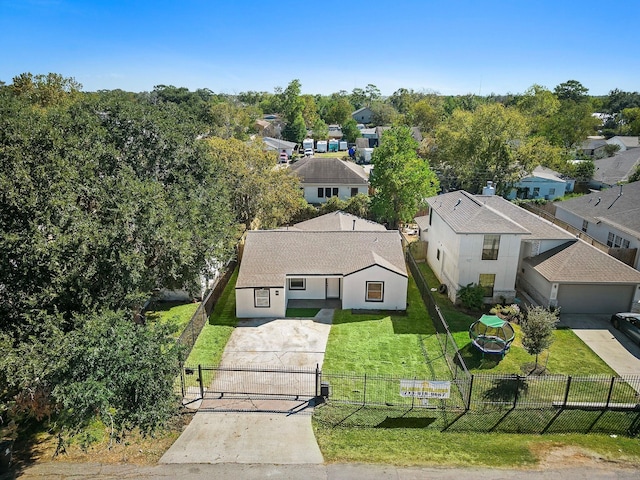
611 345
259 430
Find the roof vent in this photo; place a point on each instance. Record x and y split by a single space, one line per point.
489 189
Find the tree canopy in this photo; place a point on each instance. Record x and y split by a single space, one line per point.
401 180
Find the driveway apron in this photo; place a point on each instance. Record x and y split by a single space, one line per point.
255 428
611 345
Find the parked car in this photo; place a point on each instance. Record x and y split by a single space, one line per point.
284 158
308 152
629 323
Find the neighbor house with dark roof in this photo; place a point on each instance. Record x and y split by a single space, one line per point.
487 240
611 216
614 170
339 258
323 178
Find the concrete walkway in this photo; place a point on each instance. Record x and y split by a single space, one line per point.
258 430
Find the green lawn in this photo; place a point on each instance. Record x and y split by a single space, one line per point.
213 338
177 313
302 312
568 355
386 343
424 446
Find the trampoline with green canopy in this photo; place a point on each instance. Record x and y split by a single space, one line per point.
491 334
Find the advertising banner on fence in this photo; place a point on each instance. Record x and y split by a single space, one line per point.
425 388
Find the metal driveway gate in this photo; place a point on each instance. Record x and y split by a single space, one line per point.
252 381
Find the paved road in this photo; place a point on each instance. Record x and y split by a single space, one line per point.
70 471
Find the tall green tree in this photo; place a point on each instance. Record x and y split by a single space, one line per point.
491 143
320 130
350 130
263 195
400 179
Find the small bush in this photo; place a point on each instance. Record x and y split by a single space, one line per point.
471 296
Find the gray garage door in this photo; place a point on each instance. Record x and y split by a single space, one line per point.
595 298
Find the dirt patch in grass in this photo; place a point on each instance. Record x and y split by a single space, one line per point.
96 447
554 456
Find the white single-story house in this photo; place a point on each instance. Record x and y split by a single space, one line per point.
541 183
489 241
323 178
610 216
280 145
363 269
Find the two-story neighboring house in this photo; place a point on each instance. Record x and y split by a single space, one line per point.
323 178
611 216
488 241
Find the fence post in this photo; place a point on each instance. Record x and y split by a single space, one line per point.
515 397
364 391
566 392
317 379
182 389
613 381
200 381
469 396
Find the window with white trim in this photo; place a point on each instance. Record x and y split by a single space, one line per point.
487 281
375 292
490 247
261 298
297 284
610 238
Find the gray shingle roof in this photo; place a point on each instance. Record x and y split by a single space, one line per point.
338 221
270 255
538 228
330 170
466 213
613 170
276 143
607 206
579 262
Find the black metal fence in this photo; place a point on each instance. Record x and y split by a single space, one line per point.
449 346
199 319
505 403
252 381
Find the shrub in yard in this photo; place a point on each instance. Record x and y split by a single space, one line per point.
537 331
471 296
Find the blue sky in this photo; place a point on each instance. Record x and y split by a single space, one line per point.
452 47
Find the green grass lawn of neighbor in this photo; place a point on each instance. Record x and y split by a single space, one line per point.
216 332
430 447
386 343
568 354
178 313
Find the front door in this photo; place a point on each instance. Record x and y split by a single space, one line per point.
333 287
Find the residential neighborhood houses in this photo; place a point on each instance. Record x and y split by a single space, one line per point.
511 253
323 178
333 257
